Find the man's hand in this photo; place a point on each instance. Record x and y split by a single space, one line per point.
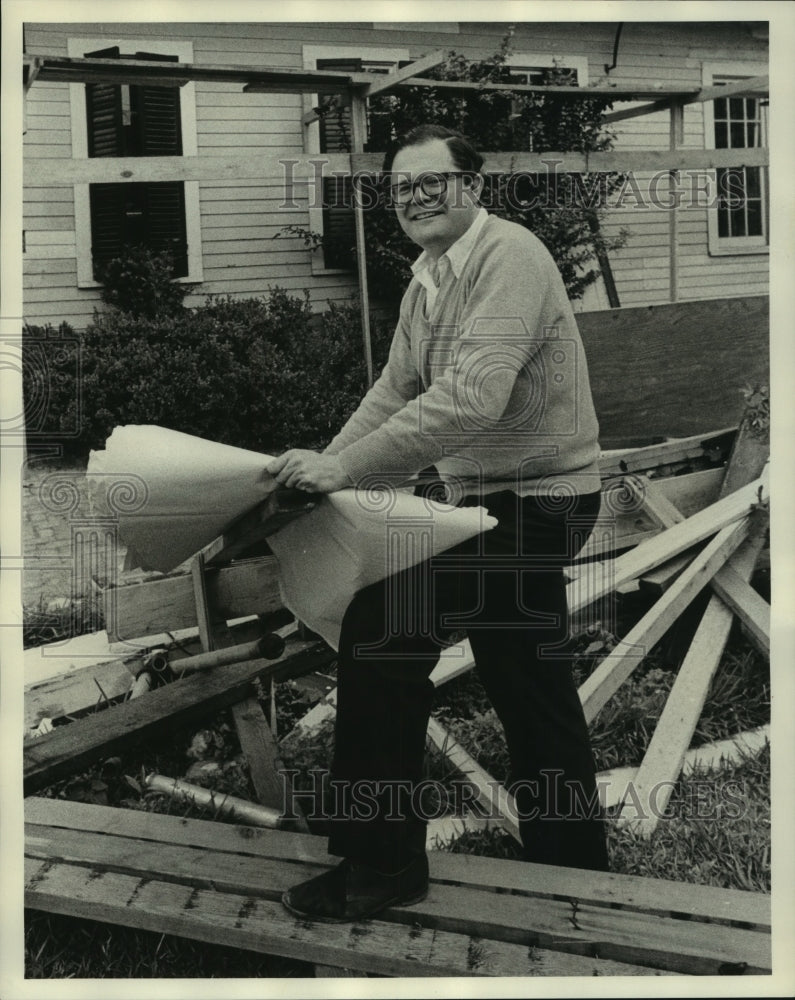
310 471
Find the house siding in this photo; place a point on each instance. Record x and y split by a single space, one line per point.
239 221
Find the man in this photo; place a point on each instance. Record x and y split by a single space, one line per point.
486 382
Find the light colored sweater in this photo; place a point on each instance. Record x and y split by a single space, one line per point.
490 386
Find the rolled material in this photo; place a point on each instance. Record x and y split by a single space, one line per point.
250 813
268 647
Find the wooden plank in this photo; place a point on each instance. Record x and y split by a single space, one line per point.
43 170
671 543
750 607
516 917
248 922
654 501
358 140
248 587
619 461
662 762
259 747
709 904
67 748
748 457
201 603
490 793
632 650
76 690
757 85
381 83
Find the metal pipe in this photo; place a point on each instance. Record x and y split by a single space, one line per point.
251 813
268 647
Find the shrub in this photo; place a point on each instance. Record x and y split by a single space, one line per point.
140 281
259 373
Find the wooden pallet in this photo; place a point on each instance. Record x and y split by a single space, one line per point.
222 883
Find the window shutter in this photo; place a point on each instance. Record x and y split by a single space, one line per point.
108 223
156 117
339 228
104 113
165 215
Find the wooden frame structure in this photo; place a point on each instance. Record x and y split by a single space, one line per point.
357 87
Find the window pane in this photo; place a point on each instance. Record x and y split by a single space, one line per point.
753 176
737 135
723 222
752 135
754 212
736 107
720 135
737 222
720 108
751 110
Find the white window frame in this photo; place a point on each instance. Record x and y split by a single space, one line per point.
730 246
546 60
76 48
311 54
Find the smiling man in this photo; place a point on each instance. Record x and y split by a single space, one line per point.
487 386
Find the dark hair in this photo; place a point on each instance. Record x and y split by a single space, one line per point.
464 154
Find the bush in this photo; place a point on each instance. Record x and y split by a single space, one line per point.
259 373
140 282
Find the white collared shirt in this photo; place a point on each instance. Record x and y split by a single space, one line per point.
453 259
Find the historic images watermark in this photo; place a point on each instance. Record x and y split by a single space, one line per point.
525 190
549 798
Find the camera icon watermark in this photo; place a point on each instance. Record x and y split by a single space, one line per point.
49 363
489 403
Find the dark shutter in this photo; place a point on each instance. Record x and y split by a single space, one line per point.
103 113
166 222
156 118
108 223
339 228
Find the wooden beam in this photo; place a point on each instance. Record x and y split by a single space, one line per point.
672 542
55 172
68 748
93 69
662 762
259 747
751 608
358 139
675 140
490 793
611 673
381 82
678 449
248 587
752 87
76 691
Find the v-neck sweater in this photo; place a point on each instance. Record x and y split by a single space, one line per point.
489 385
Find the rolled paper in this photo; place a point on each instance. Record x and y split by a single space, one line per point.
173 493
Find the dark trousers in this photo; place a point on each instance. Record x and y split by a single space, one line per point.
507 590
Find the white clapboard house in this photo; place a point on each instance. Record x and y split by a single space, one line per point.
225 228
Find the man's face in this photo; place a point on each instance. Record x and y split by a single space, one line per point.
434 222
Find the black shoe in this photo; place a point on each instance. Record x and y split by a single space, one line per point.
353 891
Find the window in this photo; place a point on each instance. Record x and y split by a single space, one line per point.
739 220
111 120
334 219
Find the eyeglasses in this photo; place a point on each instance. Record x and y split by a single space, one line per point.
432 183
